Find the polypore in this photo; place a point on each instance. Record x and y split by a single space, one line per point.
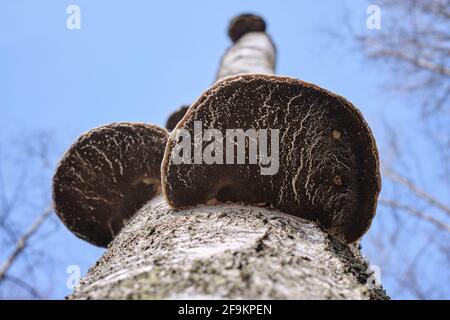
328 161
175 117
106 176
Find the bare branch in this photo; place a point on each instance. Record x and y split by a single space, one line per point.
415 61
422 194
20 283
22 243
417 213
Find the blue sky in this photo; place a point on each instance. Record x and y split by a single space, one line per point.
140 60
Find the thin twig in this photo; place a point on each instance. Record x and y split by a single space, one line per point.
417 62
19 282
424 195
21 244
417 213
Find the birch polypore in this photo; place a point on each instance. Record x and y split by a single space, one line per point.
326 159
106 176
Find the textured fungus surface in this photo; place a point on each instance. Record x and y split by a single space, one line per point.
106 176
329 169
245 23
226 251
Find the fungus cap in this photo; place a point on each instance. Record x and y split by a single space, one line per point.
106 176
245 23
328 160
175 117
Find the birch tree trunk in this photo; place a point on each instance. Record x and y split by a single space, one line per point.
254 52
226 251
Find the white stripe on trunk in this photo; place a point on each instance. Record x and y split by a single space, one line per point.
254 52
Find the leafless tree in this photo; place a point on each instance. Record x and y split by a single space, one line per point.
413 46
25 215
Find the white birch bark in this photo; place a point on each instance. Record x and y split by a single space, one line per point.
254 52
226 251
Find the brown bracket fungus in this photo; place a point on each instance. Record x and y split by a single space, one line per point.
245 23
175 117
328 161
106 176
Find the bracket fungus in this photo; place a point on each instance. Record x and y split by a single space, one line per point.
328 160
106 176
175 117
244 23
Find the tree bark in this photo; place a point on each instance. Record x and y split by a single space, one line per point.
254 52
226 251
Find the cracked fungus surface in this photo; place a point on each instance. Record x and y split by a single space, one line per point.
329 169
227 251
106 176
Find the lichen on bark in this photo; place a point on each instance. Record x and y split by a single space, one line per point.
226 251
